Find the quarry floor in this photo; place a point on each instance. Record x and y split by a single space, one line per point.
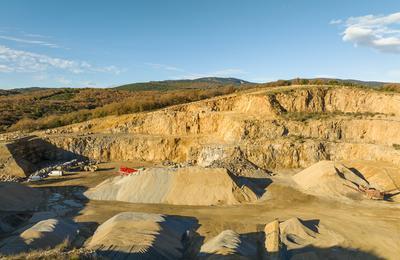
371 227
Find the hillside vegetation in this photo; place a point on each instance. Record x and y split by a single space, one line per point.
36 104
54 108
201 83
40 108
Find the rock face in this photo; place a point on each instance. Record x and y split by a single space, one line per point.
288 127
262 124
132 235
23 156
185 186
43 235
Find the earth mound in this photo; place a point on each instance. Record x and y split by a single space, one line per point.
330 179
184 186
311 240
227 245
43 235
133 235
296 233
18 197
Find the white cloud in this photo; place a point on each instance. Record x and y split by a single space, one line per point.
34 35
29 41
5 68
376 31
336 21
24 61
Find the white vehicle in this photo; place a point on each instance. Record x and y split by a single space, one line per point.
56 173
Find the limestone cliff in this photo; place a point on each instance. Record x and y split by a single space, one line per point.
286 127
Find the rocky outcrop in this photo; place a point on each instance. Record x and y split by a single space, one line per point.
23 156
286 127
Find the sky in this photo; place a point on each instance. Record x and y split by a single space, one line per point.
98 43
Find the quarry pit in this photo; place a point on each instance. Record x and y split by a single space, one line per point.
273 172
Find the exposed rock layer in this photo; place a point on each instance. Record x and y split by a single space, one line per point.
286 127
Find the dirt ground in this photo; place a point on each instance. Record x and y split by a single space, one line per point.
369 228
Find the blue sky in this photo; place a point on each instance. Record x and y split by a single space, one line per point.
106 43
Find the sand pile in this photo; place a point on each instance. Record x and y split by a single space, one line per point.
227 245
294 234
295 238
330 179
132 235
311 240
184 186
43 235
18 197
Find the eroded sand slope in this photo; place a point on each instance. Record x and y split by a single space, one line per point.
186 186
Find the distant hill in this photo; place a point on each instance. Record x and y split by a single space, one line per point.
326 81
215 82
4 92
14 91
356 82
30 89
201 83
211 82
40 108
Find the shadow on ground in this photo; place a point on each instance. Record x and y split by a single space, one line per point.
165 245
63 202
32 153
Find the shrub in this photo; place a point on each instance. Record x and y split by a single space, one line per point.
137 102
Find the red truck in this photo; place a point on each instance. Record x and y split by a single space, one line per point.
126 171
